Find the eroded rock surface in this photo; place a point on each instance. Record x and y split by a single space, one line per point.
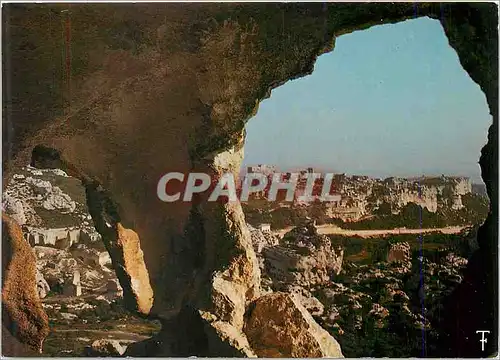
23 314
124 249
279 326
303 258
42 286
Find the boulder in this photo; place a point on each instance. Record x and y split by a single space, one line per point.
229 301
305 258
42 286
104 348
14 208
68 316
399 252
224 338
311 304
261 239
279 326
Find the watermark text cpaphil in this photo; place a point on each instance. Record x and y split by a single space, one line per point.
310 187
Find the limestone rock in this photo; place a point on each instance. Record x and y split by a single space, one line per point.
126 254
223 338
399 252
229 301
138 285
311 304
261 240
237 279
23 316
279 326
42 286
90 256
58 200
14 208
53 197
305 258
105 347
39 186
68 316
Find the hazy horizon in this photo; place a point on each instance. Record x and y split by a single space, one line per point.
318 169
357 115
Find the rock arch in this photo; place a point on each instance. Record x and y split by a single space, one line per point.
168 87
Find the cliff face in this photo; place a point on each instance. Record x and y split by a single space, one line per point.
151 88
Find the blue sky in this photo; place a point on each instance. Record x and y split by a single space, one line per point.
392 100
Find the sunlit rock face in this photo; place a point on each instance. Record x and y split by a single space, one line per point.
23 315
305 258
168 87
279 326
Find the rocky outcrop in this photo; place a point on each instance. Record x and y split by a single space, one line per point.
127 245
50 215
309 302
304 258
14 208
279 326
53 196
23 315
42 286
261 240
399 252
104 347
124 248
224 338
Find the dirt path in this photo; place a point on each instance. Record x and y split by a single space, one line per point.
332 229
110 334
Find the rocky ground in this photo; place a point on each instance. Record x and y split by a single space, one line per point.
92 326
389 308
46 198
95 313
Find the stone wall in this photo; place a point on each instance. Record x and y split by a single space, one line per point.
61 238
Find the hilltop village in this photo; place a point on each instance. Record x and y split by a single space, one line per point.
363 197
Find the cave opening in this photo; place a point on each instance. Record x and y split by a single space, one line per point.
398 121
467 23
